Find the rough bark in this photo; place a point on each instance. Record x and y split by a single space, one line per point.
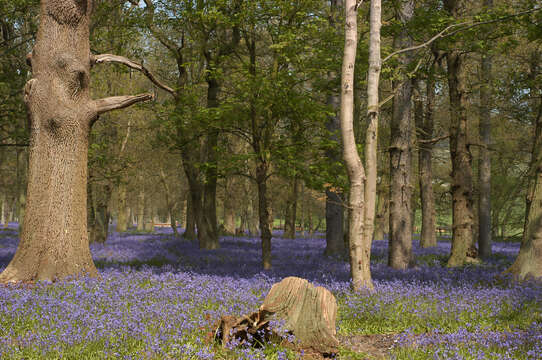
484 162
122 209
22 174
291 210
462 194
264 213
308 312
4 219
252 218
141 211
229 208
190 230
382 216
400 236
424 124
54 240
100 227
528 263
334 224
334 202
209 186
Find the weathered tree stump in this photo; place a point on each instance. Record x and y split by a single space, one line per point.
308 312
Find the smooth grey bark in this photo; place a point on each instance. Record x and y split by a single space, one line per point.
362 194
484 163
400 236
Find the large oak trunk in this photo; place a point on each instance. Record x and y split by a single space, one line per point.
54 240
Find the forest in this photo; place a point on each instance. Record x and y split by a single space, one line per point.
270 179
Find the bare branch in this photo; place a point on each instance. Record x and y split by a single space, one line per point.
358 4
443 34
109 58
119 102
162 38
434 140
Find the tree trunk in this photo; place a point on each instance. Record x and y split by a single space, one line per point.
424 123
141 211
102 215
400 237
54 240
122 210
229 208
4 219
291 210
22 174
264 212
484 164
462 194
169 203
148 217
252 217
462 221
362 190
308 312
382 217
334 224
190 230
528 263
334 199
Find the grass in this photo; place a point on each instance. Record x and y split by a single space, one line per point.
160 297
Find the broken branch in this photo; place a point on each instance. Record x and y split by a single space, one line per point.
119 102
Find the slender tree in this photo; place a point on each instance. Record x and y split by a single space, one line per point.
362 195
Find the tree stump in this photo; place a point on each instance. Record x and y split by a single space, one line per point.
309 313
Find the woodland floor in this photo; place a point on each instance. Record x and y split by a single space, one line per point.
159 296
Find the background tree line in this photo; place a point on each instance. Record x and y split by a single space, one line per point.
243 133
